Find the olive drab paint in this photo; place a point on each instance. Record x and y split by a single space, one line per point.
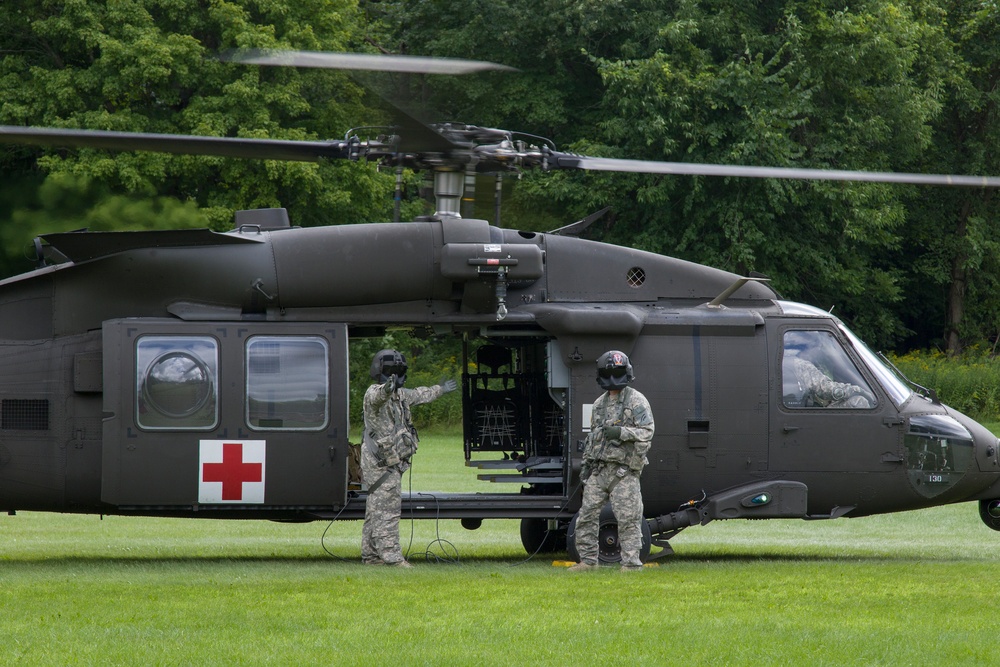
192 373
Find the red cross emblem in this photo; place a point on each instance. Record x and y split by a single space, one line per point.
231 472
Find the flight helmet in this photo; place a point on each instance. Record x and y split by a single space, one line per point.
386 363
614 370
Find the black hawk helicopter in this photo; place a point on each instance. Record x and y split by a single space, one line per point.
202 374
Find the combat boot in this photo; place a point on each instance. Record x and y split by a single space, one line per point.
583 565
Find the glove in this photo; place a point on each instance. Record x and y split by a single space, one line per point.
449 385
586 471
390 385
867 395
391 460
613 433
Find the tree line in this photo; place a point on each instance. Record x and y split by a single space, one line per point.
870 85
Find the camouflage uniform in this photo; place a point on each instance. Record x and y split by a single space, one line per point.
615 467
389 442
820 390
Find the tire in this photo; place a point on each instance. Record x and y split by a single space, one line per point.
609 550
989 512
536 538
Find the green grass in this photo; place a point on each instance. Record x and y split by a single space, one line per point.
916 588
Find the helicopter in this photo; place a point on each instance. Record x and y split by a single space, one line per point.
193 373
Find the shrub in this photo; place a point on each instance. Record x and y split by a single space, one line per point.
969 382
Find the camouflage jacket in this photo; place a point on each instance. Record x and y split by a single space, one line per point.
819 390
631 411
388 426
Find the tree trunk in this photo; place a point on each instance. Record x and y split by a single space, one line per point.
956 289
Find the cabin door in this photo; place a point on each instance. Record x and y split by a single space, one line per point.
224 416
829 414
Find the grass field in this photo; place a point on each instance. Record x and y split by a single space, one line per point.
915 588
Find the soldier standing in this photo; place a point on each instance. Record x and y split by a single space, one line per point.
621 431
389 441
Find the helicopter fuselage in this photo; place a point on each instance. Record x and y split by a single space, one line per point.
199 374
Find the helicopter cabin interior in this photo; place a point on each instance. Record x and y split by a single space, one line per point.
513 406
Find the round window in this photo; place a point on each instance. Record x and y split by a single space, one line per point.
177 384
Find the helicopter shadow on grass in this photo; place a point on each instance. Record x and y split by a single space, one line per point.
353 562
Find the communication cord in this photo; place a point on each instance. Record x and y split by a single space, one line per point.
444 544
322 539
554 518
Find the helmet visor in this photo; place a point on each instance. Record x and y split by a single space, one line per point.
617 372
394 369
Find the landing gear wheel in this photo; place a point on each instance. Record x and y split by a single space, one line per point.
989 512
608 546
609 549
538 539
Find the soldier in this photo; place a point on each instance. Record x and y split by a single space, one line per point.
389 441
820 391
807 385
621 431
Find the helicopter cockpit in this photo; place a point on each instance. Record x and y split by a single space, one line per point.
816 372
822 349
938 448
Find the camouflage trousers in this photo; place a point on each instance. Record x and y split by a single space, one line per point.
626 501
380 534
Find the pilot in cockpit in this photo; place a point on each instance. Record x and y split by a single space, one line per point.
816 372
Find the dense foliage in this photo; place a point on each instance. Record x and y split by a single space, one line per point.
151 66
876 85
969 382
817 83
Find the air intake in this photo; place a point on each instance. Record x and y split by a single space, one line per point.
262 219
17 414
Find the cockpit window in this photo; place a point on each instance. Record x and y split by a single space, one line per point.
898 391
939 451
817 373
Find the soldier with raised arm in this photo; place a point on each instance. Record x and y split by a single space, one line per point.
390 440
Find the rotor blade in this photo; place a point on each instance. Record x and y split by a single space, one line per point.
262 149
570 161
418 137
414 136
362 61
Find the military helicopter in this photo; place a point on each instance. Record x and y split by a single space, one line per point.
203 374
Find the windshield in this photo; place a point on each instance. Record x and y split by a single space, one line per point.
817 373
898 391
